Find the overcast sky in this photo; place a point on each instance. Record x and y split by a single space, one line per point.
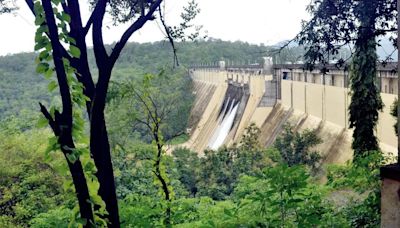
255 21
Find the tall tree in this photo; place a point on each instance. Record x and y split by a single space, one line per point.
359 24
365 100
61 44
155 101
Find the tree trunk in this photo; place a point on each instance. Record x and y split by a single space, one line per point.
100 150
82 192
398 82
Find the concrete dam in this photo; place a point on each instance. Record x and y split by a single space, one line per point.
228 99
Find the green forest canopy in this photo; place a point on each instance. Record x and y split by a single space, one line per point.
22 89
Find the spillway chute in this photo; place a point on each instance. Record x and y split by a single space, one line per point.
224 127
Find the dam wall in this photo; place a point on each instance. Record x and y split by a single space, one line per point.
219 87
330 103
270 103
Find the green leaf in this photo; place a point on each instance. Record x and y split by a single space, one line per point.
89 166
37 7
42 122
42 67
70 40
40 45
81 221
39 37
72 157
43 54
48 73
67 184
48 46
65 17
52 85
42 29
75 52
39 20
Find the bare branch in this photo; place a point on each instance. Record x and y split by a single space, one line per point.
169 37
97 34
145 105
47 115
88 24
133 28
146 123
65 7
174 136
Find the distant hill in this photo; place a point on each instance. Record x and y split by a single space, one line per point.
385 50
21 88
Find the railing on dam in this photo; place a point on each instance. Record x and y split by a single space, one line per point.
330 74
251 69
245 66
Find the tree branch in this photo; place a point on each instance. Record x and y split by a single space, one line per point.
133 28
47 115
97 34
65 7
62 49
145 104
59 65
169 37
84 75
174 136
88 24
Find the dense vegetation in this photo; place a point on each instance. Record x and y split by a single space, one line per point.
244 185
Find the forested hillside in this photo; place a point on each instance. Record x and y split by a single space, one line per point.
22 88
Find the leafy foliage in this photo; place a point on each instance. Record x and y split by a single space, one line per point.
259 188
216 174
359 23
168 95
188 168
284 198
29 185
295 148
365 100
363 177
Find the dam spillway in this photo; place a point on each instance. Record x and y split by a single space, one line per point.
224 126
232 104
230 112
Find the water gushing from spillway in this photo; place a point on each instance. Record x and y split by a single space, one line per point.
227 107
224 127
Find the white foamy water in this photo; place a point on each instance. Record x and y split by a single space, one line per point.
219 121
223 128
